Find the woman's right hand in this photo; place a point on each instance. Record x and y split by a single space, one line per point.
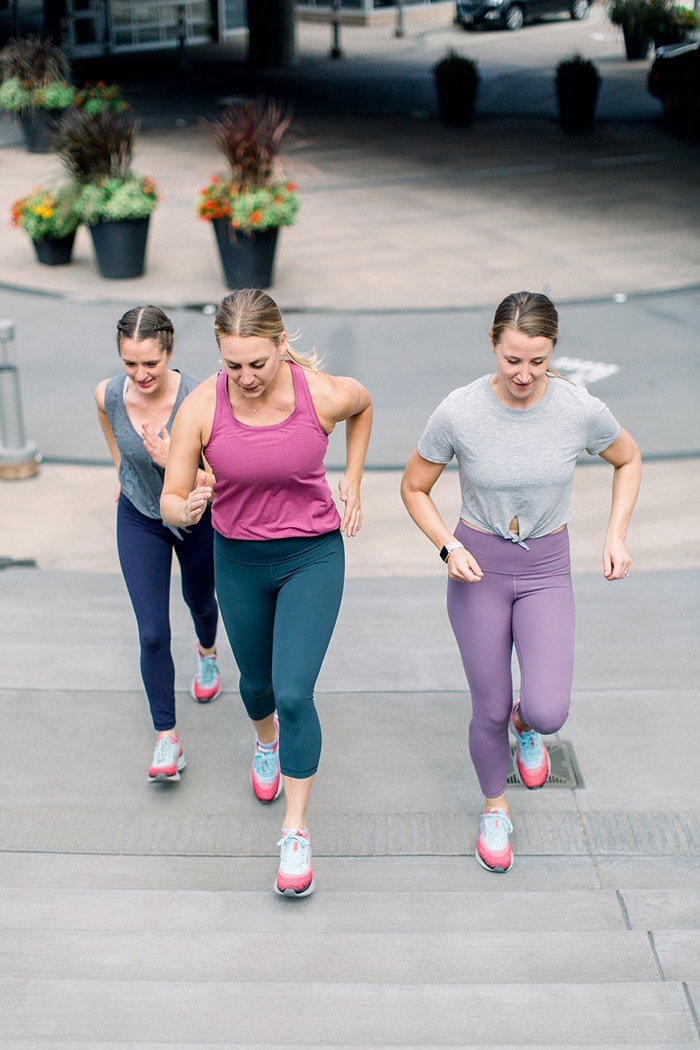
196 503
462 566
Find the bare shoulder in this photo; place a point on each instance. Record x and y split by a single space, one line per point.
337 397
100 393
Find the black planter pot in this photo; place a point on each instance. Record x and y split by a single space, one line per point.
120 247
38 127
55 251
247 260
577 106
456 100
636 45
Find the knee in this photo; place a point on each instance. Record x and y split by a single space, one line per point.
154 642
546 720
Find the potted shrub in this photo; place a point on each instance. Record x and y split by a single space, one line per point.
35 87
112 200
668 23
95 97
578 84
50 218
457 83
248 203
630 16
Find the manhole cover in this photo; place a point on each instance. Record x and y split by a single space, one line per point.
564 771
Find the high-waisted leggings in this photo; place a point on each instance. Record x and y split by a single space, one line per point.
145 549
279 601
525 599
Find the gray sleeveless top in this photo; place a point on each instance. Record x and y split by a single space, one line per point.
140 478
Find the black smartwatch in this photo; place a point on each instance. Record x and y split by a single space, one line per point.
448 548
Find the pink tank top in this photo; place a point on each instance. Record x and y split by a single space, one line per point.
270 481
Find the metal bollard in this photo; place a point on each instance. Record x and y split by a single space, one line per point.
18 457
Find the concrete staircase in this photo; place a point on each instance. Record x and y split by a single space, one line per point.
110 952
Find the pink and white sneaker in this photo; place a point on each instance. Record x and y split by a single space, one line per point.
265 773
168 759
493 849
295 877
531 756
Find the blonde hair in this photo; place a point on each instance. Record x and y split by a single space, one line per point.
252 312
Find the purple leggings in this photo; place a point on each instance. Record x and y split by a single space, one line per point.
525 599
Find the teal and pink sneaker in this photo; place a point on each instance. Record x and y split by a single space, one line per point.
295 877
493 849
168 759
531 756
265 773
206 684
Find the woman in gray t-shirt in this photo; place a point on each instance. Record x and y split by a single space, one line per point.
516 436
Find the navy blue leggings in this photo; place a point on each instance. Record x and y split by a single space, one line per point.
525 599
145 549
279 601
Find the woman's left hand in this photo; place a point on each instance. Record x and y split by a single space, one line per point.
156 443
616 561
352 513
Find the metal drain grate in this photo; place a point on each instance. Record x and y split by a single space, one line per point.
564 771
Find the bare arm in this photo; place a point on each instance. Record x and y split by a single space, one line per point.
417 484
107 431
184 496
342 398
625 457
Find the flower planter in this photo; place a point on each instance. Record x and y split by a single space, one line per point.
120 247
577 106
55 251
636 45
38 127
456 99
247 259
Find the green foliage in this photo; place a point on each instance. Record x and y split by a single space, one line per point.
95 97
46 213
34 74
247 209
577 70
114 199
96 151
254 193
457 67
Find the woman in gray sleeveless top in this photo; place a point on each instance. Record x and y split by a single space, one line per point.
136 410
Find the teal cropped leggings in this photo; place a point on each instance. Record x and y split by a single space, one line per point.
279 601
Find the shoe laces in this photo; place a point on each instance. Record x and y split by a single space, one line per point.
495 828
208 670
265 763
165 747
294 854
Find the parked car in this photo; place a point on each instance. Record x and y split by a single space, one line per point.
674 79
513 14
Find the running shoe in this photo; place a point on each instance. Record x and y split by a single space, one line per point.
531 756
168 760
206 684
295 877
493 850
265 773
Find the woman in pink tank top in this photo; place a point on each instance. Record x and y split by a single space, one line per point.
262 425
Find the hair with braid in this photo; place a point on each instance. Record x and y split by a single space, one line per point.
146 322
252 312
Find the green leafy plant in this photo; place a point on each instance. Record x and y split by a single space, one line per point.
457 67
253 194
629 14
95 97
578 71
96 151
35 74
46 213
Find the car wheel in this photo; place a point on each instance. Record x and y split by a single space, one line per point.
514 18
579 10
